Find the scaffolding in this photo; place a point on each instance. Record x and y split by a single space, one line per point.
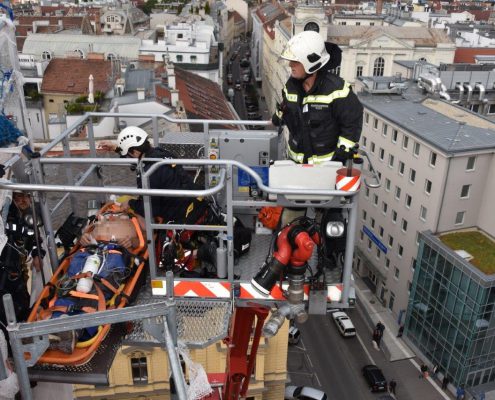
159 311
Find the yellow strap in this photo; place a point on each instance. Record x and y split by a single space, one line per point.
328 98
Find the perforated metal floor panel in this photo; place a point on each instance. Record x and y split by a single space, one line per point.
199 322
95 372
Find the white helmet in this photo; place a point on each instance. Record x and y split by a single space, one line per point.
132 136
308 48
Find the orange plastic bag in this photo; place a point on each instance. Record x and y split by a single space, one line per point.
270 216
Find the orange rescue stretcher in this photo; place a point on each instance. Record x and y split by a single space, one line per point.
110 220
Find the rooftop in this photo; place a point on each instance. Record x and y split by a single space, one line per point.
477 244
447 127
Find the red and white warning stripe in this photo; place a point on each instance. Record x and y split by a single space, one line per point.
217 290
348 183
222 290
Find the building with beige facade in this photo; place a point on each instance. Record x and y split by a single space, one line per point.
435 160
366 50
143 372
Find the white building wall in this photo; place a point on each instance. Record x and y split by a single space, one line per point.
486 218
241 7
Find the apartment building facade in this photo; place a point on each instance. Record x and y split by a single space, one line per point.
434 160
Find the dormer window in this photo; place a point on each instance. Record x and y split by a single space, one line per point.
46 55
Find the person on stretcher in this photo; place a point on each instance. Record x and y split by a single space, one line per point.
95 275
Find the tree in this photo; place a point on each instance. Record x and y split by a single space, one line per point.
179 9
207 8
148 6
197 10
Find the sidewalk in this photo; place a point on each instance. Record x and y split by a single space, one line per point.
394 348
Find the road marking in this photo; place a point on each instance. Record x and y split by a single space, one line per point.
431 380
365 349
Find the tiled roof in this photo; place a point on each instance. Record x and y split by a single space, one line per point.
71 76
342 34
202 98
467 54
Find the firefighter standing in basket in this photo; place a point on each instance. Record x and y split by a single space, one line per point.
323 115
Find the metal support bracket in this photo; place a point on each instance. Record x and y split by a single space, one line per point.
155 327
36 349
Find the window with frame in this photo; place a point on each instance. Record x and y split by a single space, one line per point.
491 109
194 59
358 23
404 225
375 199
367 192
370 243
417 238
381 153
361 236
396 273
398 191
395 135
139 367
459 217
390 240
372 148
372 223
381 231
46 55
394 216
375 123
433 159
428 186
416 149
366 118
387 262
471 163
387 184
465 191
405 142
359 71
412 175
379 66
423 211
400 250
402 166
179 58
384 207
384 129
378 253
365 214
408 200
409 286
364 141
391 160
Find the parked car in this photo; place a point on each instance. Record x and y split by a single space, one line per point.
294 335
245 78
233 57
244 63
238 85
344 324
251 107
229 79
374 377
304 393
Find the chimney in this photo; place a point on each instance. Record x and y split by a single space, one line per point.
379 7
174 97
171 76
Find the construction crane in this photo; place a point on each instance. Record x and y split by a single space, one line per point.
237 169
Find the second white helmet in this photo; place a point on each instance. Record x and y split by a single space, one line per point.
308 48
132 136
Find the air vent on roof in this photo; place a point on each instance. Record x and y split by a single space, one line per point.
464 254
